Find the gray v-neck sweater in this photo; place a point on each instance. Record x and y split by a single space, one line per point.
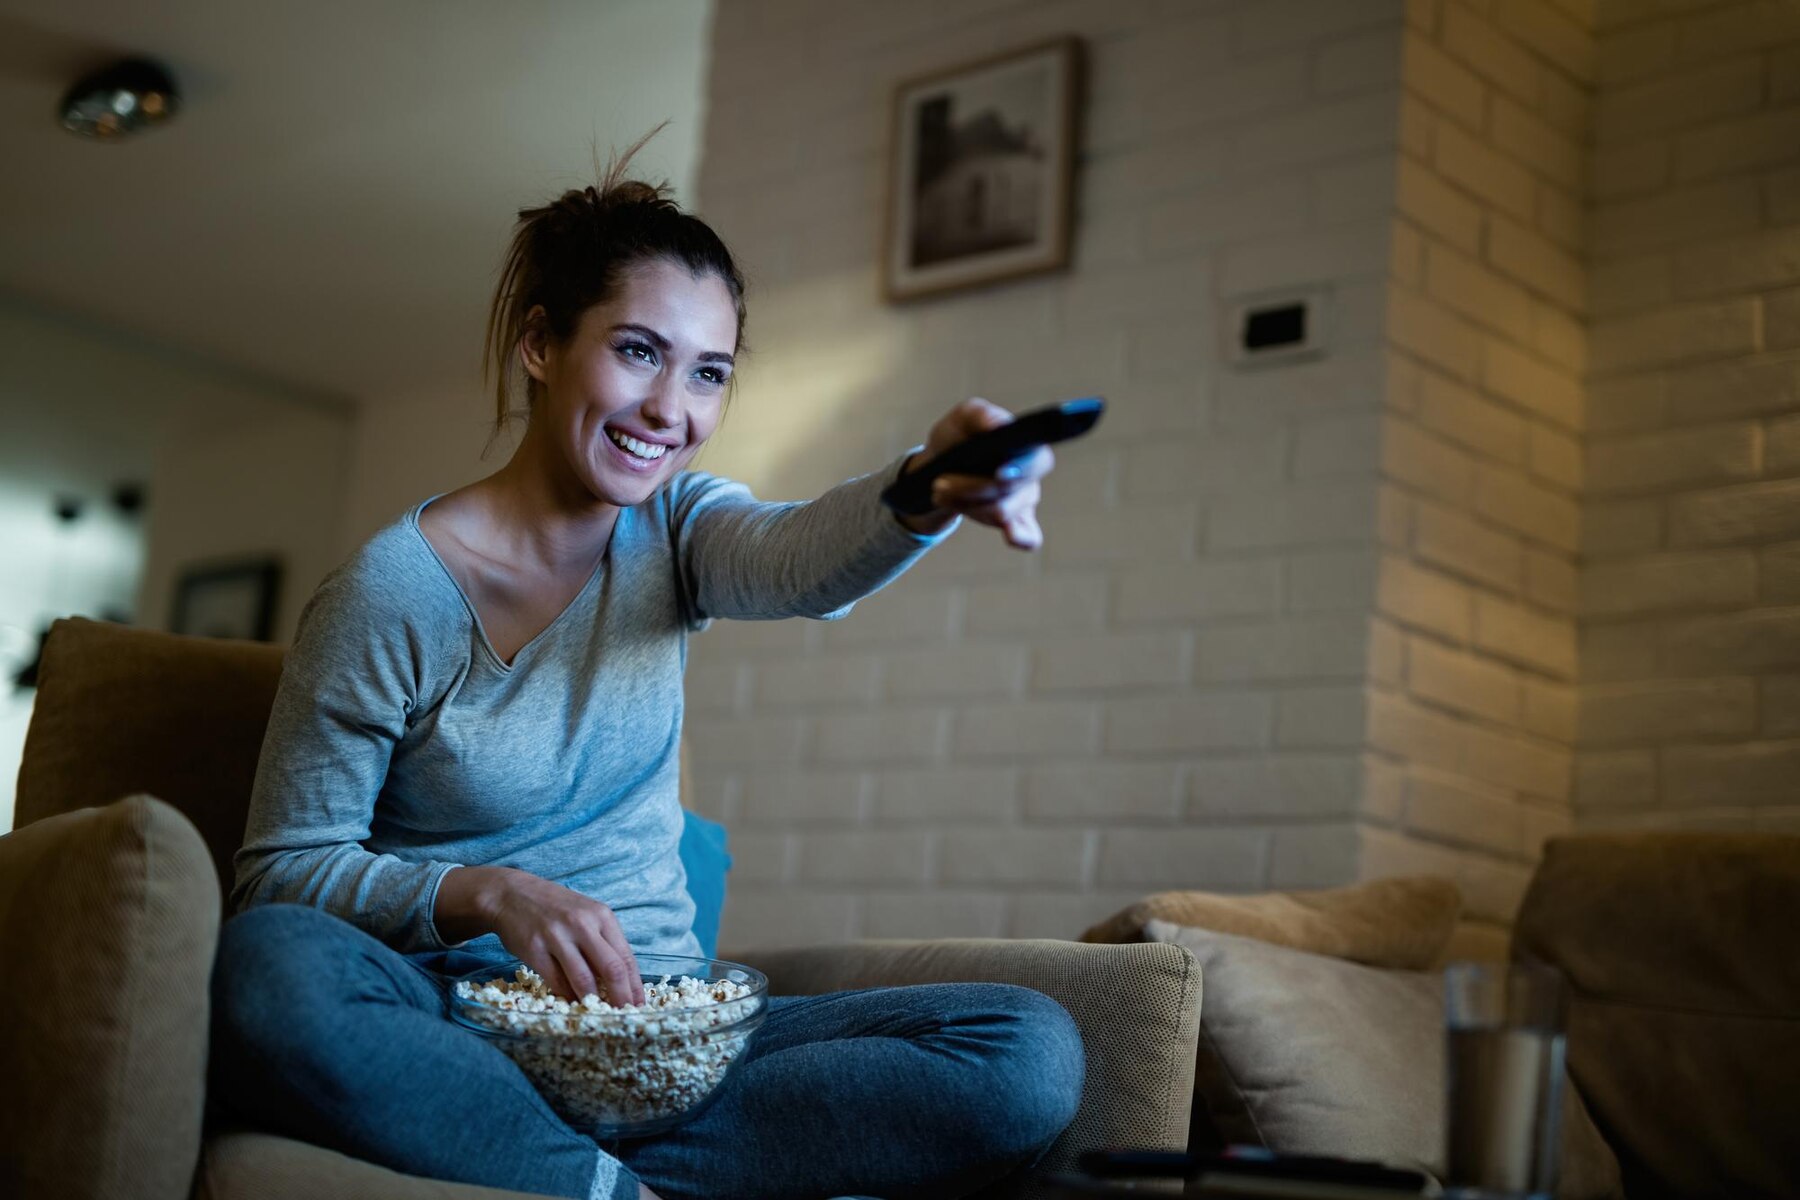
400 746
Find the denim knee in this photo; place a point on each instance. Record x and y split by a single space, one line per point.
269 958
1039 1070
283 938
1058 1064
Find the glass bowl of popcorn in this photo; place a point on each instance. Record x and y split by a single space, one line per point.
630 1070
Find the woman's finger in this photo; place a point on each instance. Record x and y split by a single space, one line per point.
549 967
1017 520
1020 525
613 980
999 511
959 492
1023 531
628 979
584 974
975 415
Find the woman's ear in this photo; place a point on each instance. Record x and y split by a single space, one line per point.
534 346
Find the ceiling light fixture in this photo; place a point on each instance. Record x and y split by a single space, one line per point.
129 96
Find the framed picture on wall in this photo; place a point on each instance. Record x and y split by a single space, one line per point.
981 171
228 600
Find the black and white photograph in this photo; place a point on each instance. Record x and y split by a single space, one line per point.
981 171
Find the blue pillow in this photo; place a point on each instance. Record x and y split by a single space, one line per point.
705 859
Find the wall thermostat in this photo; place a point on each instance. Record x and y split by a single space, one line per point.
1277 327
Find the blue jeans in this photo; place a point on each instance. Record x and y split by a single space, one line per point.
323 1033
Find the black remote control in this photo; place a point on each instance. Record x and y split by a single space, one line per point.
987 452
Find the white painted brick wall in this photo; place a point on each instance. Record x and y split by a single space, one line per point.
1689 637
1019 744
1012 743
1291 626
947 796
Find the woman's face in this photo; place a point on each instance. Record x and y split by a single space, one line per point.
640 385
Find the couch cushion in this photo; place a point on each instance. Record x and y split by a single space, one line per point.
1684 959
1137 1007
1305 1054
1401 923
108 921
122 710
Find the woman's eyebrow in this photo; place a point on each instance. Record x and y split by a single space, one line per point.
662 343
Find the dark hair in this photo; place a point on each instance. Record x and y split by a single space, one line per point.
570 255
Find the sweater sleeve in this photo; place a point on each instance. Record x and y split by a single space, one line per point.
755 560
347 687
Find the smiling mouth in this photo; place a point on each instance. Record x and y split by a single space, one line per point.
647 451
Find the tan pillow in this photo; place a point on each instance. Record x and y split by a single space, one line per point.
1305 1054
122 710
1399 923
108 922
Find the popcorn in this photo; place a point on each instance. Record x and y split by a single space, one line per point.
603 1065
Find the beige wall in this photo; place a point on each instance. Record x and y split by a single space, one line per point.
223 494
405 449
1690 709
235 465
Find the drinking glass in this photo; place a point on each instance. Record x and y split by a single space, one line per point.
1504 1080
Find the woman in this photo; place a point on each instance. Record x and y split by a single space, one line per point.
474 756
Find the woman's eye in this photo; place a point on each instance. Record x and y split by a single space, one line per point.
634 349
712 375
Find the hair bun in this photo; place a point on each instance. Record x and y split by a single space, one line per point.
625 191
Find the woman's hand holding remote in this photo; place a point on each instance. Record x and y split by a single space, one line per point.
1008 502
575 943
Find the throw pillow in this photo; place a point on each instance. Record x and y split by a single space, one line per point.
108 922
1305 1054
1401 923
705 859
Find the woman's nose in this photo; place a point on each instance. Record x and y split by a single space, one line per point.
662 406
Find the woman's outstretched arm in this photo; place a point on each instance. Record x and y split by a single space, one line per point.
750 559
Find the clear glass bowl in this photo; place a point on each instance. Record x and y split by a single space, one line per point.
617 1074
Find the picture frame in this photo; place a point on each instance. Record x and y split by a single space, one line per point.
981 171
228 600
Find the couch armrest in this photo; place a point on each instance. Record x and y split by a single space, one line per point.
109 918
1138 1008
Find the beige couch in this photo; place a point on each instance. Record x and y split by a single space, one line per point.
1681 949
131 803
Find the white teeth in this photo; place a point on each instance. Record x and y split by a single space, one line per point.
647 450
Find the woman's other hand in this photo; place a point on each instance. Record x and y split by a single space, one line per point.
574 943
1008 502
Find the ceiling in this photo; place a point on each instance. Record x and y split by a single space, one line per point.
329 210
